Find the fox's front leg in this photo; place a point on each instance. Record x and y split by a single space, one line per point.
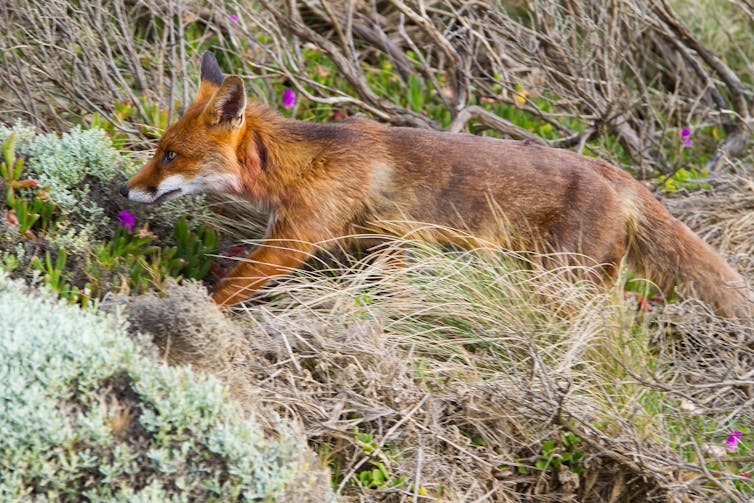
272 258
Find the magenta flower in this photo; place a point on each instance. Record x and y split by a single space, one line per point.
126 220
731 443
289 98
233 17
686 137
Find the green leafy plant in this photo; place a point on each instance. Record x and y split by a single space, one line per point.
155 119
193 250
27 204
29 214
684 178
374 474
416 93
11 165
55 277
9 261
134 261
120 113
566 452
125 257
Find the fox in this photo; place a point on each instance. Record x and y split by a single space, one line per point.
324 182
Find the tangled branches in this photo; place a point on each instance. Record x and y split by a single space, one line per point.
629 69
592 72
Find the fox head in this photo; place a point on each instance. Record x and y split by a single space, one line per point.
199 153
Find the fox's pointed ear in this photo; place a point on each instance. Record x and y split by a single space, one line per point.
211 78
228 104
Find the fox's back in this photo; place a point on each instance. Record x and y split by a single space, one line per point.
478 183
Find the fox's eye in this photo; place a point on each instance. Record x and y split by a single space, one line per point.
169 155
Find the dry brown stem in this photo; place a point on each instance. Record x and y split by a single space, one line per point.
631 70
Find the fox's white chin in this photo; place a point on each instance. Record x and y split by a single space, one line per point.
142 196
176 185
168 196
170 188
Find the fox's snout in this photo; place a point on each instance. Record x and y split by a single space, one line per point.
124 190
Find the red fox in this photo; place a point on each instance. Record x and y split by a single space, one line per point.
322 182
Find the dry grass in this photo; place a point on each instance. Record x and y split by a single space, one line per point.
454 372
63 61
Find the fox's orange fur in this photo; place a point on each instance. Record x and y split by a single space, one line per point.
322 182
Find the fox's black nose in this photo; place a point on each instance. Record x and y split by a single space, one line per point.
124 190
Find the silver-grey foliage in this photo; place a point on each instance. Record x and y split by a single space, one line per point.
87 415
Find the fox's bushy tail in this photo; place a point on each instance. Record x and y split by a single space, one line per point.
668 253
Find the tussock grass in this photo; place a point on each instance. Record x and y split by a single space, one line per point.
459 375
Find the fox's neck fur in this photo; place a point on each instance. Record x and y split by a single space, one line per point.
277 155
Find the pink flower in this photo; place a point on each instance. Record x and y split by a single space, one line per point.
233 17
731 443
126 220
686 137
289 98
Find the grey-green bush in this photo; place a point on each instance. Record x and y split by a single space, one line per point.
24 135
87 415
77 169
64 162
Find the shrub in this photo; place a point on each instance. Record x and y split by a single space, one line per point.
24 134
64 164
71 170
87 415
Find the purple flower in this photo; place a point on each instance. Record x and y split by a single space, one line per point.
126 220
233 17
731 443
289 98
686 137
